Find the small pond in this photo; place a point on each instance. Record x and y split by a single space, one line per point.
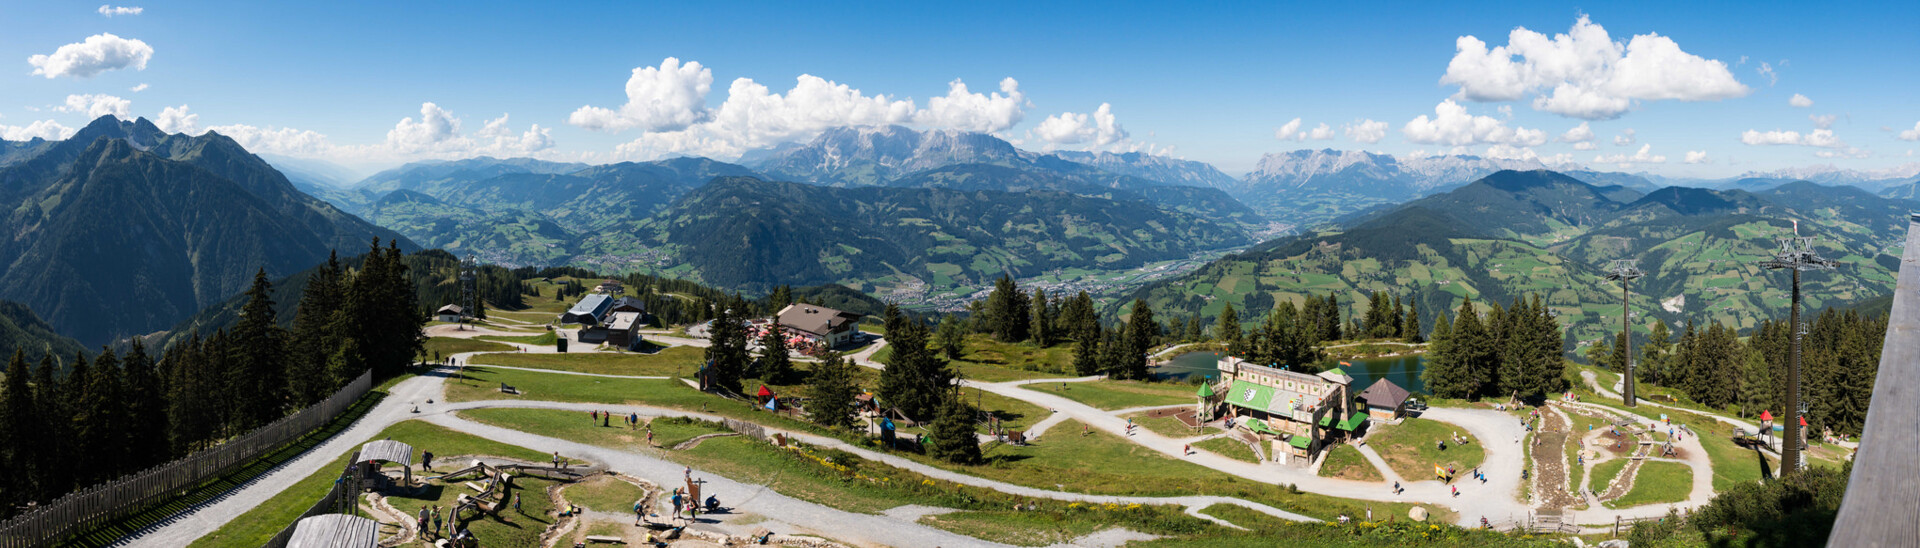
1402 370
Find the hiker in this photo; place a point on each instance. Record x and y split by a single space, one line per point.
516 503
1396 488
593 416
1456 490
606 419
676 502
423 520
649 436
426 460
639 511
436 521
556 459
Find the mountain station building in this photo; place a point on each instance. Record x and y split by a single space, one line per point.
1299 413
824 326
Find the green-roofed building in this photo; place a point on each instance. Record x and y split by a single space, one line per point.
1297 412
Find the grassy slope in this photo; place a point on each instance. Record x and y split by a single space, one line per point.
1346 462
1658 482
1409 448
1112 395
680 361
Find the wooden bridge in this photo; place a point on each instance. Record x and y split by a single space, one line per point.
1883 494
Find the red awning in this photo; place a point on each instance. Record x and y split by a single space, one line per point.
764 392
1766 416
1803 421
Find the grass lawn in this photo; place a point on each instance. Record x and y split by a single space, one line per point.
1016 528
1228 447
673 361
1605 472
1658 482
1385 530
988 360
667 431
1732 464
1409 448
448 346
1111 395
509 528
484 384
1575 472
863 486
604 493
1345 462
254 527
1169 426
1014 414
543 339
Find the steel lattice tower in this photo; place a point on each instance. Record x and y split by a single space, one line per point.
469 271
1625 271
1796 254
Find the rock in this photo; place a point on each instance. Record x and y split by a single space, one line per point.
1615 543
1418 513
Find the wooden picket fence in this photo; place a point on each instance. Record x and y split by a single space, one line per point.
339 500
93 507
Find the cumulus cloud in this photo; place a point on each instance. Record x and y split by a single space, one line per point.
1823 138
95 106
1822 121
178 120
1645 156
44 129
496 139
1585 73
1100 129
1625 138
1579 134
1911 134
754 116
1451 125
1766 71
1289 131
1586 145
669 97
436 126
111 11
1799 100
436 133
99 53
139 88
1698 157
1366 131
1509 152
283 141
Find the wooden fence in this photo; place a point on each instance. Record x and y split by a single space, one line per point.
342 499
90 508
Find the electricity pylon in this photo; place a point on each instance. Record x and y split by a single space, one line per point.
1624 271
1796 254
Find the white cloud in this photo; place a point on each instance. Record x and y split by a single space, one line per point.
1068 128
95 106
1625 138
99 53
1766 71
1289 131
139 88
1320 132
1579 134
111 11
1844 152
1366 131
283 141
44 129
1451 125
1509 152
1822 121
1584 73
1911 134
1586 145
496 139
967 111
1822 138
1698 157
665 98
1799 100
435 127
435 134
177 120
754 117
1643 157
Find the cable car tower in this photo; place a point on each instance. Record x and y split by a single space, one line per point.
1625 271
1797 254
469 271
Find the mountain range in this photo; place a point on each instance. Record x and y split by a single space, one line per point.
124 229
1516 233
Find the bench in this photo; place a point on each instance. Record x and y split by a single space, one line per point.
607 539
471 485
504 387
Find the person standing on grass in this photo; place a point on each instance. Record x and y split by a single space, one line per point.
423 520
426 460
516 504
436 521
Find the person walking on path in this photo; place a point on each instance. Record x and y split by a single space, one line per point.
426 460
556 459
1396 488
1456 490
639 511
436 522
423 520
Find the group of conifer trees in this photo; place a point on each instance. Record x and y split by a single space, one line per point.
114 415
1502 352
1387 319
1713 367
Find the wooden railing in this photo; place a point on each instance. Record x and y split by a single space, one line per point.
1883 494
341 499
93 507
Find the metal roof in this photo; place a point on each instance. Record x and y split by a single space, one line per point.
1385 393
335 531
815 319
591 305
1249 395
387 450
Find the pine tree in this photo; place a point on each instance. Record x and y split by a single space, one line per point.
727 346
259 380
1599 352
1041 325
146 410
781 297
53 403
1331 331
1652 368
17 423
1086 356
1443 365
1617 359
1399 320
773 354
1413 331
951 337
953 437
97 421
1141 331
916 378
1227 329
1007 314
314 335
891 319
1194 333
830 392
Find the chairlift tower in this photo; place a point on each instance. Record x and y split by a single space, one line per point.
469 270
1796 254
1625 271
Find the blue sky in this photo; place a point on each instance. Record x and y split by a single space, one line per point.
336 80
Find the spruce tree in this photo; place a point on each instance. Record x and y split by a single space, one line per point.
1086 356
953 436
17 423
1617 359
313 336
1041 327
1443 366
1141 331
1227 329
1652 368
916 378
53 403
830 392
1399 320
259 379
1413 331
1193 331
1600 352
1331 331
778 366
951 337
727 346
146 410
98 427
